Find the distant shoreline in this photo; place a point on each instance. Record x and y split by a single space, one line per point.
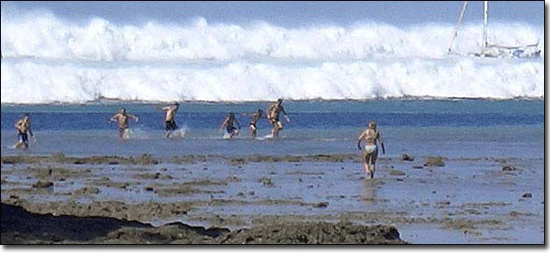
104 101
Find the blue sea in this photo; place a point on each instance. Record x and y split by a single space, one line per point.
450 128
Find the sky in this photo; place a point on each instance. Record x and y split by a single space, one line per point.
286 14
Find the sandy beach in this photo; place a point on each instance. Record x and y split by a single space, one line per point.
255 199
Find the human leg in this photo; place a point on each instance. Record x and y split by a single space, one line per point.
19 141
232 131
371 169
372 163
273 122
253 131
170 127
24 140
277 126
366 159
124 133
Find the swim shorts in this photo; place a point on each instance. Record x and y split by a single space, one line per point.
171 125
230 129
23 137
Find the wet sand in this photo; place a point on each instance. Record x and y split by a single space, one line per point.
272 199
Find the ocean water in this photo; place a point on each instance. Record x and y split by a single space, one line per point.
454 129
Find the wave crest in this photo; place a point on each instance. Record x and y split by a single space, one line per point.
29 82
42 35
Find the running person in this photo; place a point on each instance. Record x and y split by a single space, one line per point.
122 118
23 126
228 124
273 112
252 124
370 154
170 122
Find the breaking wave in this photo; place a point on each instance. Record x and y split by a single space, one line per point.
48 60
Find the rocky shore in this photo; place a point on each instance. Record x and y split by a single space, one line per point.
288 199
22 227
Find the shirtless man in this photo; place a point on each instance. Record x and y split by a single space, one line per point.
273 112
170 122
370 154
252 124
23 126
228 124
122 118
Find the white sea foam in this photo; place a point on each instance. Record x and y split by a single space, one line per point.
42 35
27 82
48 60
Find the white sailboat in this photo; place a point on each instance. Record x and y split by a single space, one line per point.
493 50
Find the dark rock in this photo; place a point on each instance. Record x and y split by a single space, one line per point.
314 233
86 191
509 168
321 205
267 182
406 157
22 227
45 227
42 184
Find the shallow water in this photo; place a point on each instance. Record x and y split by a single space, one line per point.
470 200
423 203
448 128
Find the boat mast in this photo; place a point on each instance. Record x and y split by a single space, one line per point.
455 31
485 17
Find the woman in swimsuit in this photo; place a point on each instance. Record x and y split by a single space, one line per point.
255 117
370 154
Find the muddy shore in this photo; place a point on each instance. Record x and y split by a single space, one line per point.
251 200
147 159
117 222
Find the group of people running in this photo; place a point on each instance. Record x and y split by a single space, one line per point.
371 136
273 112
